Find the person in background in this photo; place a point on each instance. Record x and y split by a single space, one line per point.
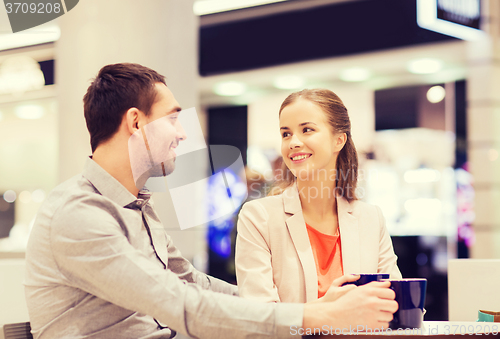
99 263
293 245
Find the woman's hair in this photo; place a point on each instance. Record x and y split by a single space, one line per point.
347 160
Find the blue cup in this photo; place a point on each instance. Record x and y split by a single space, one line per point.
366 278
410 295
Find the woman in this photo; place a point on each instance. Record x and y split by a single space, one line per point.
292 245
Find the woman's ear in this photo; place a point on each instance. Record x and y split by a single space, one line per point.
132 119
339 142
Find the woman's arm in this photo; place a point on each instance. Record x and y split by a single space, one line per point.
254 271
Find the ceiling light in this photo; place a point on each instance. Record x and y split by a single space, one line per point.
424 66
423 206
465 11
36 36
25 197
355 74
204 7
230 88
9 196
19 74
436 94
29 112
422 175
492 154
289 82
38 195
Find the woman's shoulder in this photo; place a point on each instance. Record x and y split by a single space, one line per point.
269 203
359 207
263 214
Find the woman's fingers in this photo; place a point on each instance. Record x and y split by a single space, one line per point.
345 279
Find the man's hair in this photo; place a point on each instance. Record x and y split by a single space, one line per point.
115 90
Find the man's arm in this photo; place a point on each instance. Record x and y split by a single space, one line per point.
95 256
186 271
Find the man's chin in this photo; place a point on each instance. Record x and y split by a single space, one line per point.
163 169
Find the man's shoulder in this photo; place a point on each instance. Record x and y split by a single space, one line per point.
75 199
72 190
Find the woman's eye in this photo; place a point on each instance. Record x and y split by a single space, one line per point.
285 134
307 129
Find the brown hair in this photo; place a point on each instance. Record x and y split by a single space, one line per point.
116 89
347 161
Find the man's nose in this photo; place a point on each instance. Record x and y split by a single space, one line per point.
181 133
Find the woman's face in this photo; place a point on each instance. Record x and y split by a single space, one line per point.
307 141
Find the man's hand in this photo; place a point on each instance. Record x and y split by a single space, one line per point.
367 306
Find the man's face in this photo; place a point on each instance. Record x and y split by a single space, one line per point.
162 131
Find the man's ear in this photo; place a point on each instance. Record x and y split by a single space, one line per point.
339 141
132 119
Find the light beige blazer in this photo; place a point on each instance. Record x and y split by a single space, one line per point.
274 259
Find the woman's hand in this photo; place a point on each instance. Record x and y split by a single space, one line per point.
336 290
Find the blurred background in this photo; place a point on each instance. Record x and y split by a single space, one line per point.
420 80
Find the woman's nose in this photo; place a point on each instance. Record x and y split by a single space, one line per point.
295 142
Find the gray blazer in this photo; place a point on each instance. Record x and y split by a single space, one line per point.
93 271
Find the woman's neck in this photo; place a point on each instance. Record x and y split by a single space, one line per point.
317 197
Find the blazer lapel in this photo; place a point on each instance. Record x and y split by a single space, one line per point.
298 232
349 237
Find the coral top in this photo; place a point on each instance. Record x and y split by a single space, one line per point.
327 256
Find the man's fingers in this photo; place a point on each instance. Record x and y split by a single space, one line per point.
390 306
380 289
385 317
384 293
383 324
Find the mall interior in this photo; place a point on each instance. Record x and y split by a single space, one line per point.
423 102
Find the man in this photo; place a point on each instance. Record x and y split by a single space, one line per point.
100 265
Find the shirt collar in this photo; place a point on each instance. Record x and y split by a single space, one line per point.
292 204
111 188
